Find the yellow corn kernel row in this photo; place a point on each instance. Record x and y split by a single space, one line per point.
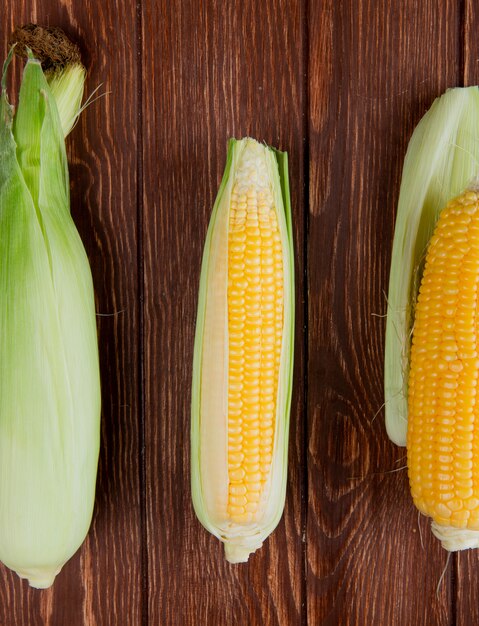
443 428
255 327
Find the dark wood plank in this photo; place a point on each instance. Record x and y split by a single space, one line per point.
101 584
210 71
374 69
466 563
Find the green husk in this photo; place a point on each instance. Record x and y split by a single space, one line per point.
441 161
208 445
49 382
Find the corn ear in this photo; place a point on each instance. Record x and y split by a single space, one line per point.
441 160
243 359
49 382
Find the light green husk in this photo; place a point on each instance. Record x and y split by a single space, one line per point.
441 161
49 371
208 440
66 85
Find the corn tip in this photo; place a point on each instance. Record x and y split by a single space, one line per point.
239 552
39 578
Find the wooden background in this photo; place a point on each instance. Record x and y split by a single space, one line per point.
340 85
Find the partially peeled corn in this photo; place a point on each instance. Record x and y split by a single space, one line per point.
49 369
432 356
244 353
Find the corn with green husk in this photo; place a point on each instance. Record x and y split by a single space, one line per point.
432 362
49 382
243 361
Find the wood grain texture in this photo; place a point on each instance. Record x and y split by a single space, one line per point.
101 584
340 85
214 71
374 69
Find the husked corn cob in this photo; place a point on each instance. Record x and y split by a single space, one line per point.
243 353
443 427
255 329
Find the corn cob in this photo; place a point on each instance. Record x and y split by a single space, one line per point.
443 434
243 353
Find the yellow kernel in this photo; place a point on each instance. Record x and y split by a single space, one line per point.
237 489
236 510
443 510
235 458
238 500
243 518
471 504
253 478
238 474
460 517
454 505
